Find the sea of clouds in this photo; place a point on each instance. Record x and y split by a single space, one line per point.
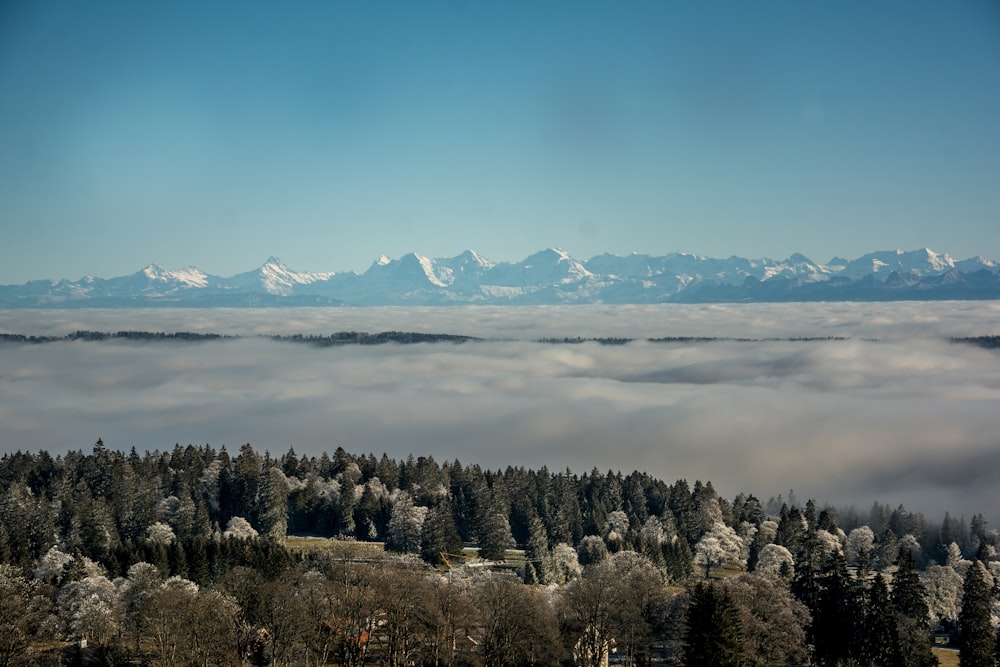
887 410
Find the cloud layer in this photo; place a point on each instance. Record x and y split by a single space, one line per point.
893 413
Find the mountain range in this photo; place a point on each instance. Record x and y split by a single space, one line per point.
547 277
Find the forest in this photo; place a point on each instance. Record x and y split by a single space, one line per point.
198 557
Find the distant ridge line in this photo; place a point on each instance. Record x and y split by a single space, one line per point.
549 277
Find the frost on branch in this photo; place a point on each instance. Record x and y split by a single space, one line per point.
719 546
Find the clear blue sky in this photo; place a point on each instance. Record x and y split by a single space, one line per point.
218 133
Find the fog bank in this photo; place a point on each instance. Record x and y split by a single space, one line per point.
908 418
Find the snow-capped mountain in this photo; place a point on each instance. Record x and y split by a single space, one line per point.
550 276
273 278
923 261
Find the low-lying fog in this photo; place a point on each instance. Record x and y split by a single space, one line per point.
893 413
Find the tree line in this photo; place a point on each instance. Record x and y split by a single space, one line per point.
183 557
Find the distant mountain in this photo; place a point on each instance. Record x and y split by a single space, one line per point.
548 277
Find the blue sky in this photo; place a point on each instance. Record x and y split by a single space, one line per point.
217 133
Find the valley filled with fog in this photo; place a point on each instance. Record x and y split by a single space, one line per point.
887 409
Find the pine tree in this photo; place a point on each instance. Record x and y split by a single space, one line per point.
912 614
439 534
537 552
879 640
978 647
712 632
273 505
345 506
832 613
494 533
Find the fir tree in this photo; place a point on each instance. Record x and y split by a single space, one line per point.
832 627
439 534
912 614
712 632
978 647
879 641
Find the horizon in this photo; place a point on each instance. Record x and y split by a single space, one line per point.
332 133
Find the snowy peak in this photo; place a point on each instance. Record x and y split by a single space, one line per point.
551 266
411 267
886 261
187 277
275 278
550 276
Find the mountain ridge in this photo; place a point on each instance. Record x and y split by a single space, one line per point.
550 276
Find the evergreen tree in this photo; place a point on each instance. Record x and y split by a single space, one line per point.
246 479
494 536
345 506
879 642
537 552
912 614
712 631
272 505
832 613
978 643
439 534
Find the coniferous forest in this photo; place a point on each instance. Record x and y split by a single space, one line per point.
200 556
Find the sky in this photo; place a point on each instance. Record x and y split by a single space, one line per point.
216 134
890 412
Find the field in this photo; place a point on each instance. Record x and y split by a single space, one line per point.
947 657
337 548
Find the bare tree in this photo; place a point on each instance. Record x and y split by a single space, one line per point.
519 625
447 617
616 603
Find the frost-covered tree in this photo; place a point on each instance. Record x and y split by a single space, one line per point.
494 535
591 549
52 566
23 609
828 544
775 562
405 525
656 531
240 529
772 621
943 592
955 558
134 591
910 544
859 545
88 609
565 566
615 528
160 533
719 546
538 563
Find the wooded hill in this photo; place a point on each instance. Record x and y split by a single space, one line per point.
183 557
